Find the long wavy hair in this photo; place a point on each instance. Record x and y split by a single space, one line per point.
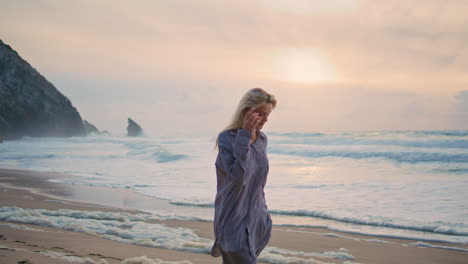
255 97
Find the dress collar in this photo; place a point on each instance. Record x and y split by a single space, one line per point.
234 133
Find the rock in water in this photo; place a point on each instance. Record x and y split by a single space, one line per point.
30 105
133 129
90 128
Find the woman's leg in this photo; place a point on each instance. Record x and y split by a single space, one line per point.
241 255
238 258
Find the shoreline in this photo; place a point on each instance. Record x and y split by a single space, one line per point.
32 190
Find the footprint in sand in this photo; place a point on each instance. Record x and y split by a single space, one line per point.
24 262
105 257
5 248
58 247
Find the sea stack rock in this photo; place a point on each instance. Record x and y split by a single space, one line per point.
133 129
30 105
90 128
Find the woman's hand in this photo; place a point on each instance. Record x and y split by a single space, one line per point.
251 120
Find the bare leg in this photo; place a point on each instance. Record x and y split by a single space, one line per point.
238 258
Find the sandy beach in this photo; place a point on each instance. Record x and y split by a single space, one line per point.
41 242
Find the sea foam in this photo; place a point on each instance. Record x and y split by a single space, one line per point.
135 229
122 227
434 227
399 156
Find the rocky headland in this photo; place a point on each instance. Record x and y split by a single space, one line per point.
30 105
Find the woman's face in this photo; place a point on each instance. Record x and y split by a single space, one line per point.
263 112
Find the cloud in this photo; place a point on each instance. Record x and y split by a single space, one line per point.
409 40
307 7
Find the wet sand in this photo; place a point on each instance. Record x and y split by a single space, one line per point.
26 243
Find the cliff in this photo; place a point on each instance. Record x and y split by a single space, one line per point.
29 104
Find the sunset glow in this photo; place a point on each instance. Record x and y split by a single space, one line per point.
301 66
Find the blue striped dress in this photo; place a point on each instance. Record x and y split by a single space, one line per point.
242 224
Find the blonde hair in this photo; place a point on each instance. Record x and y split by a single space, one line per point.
255 97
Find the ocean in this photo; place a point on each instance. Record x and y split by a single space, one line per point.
398 184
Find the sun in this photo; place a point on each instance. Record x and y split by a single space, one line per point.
302 66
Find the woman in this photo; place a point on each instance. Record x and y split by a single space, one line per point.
242 224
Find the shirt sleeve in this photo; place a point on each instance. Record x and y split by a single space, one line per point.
235 154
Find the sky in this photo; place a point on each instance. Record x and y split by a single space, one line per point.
181 66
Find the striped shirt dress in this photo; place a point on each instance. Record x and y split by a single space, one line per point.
242 224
